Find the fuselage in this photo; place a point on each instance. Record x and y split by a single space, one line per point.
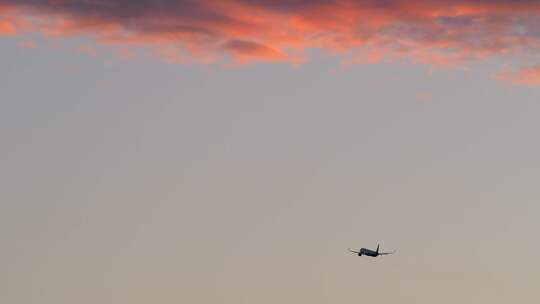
368 252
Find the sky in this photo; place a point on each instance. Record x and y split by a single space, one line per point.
231 152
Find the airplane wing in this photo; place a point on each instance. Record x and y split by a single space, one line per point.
385 253
353 250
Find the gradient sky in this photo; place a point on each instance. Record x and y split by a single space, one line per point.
231 152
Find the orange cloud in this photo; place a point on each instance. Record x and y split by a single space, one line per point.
6 27
439 32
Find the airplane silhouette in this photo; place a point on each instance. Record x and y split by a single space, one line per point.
371 253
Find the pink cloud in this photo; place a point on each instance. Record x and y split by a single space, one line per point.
424 96
126 53
525 75
86 49
443 32
26 43
244 50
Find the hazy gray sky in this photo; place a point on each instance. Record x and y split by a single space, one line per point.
130 180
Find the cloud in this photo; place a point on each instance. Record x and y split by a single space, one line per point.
424 96
529 75
439 32
245 50
6 27
26 43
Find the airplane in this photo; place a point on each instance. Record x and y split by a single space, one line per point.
371 253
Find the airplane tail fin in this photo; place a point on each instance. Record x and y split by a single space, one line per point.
377 248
